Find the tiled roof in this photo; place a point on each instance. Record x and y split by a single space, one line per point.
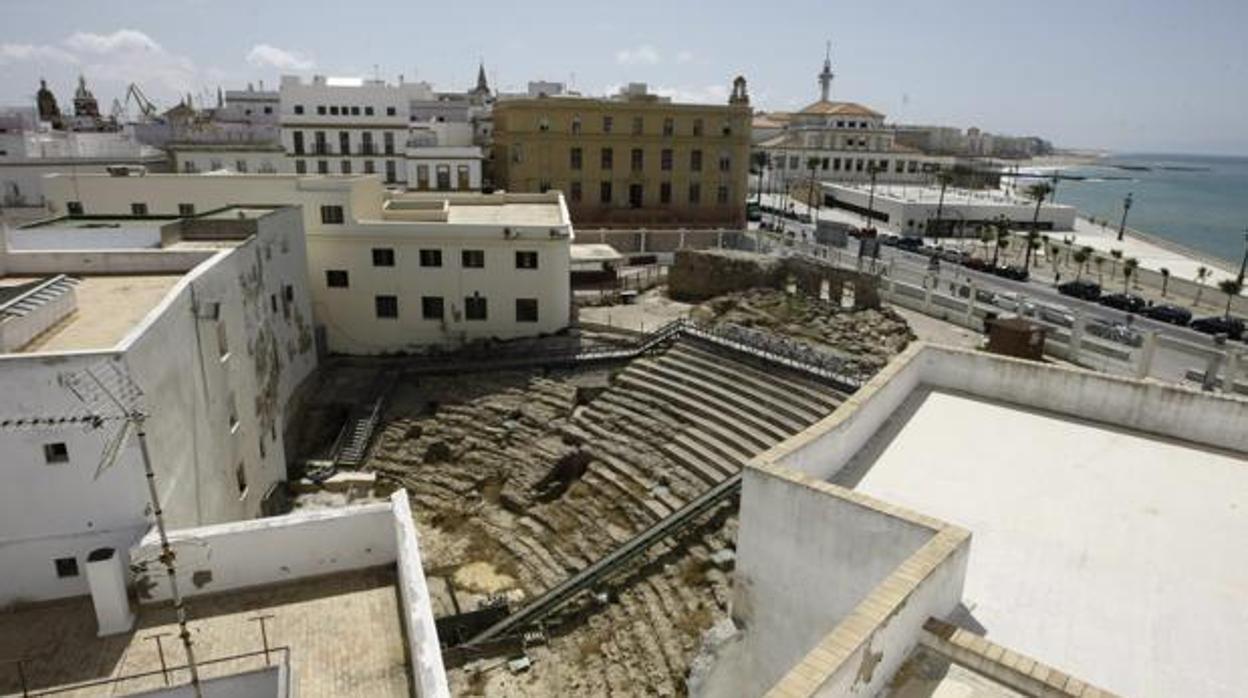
840 109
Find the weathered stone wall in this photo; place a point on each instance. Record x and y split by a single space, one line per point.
701 274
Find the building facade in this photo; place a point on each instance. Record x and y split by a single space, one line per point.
631 160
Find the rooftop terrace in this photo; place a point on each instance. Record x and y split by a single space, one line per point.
108 307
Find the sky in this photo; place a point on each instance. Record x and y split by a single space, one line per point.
1123 75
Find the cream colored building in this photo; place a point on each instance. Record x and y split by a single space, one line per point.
635 159
388 272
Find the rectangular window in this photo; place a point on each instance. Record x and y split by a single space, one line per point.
337 278
695 193
836 164
604 192
793 162
665 160
298 136
608 158
721 195
138 209
240 479
526 310
387 142
638 160
638 125
669 126
607 123
574 158
320 109
344 142
474 308
66 567
472 259
463 181
443 173
390 111
333 111
526 259
331 215
665 192
368 111
186 209
422 177
431 308
319 146
73 208
54 453
725 162
636 195
574 192
301 167
366 143
697 127
368 167
355 111
322 167
298 109
240 166
346 167
576 124
431 258
386 306
695 160
390 171
383 257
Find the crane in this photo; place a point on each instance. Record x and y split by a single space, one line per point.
146 107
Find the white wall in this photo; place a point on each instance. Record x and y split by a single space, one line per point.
424 650
40 262
54 237
190 160
17 330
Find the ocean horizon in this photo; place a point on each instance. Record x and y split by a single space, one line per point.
1197 201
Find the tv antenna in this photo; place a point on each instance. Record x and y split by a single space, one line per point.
109 397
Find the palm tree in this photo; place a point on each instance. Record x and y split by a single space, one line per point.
1081 259
1232 288
1037 191
1128 270
1053 253
1002 225
1165 280
1202 274
987 236
1117 255
1033 243
1099 262
944 178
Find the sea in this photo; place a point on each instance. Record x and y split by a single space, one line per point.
1200 202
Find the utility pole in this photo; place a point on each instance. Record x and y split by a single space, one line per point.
1126 207
1244 264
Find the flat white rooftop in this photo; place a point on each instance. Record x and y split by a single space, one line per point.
505 213
108 308
924 194
1114 555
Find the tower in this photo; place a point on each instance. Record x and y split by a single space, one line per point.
739 95
48 110
483 87
825 77
84 102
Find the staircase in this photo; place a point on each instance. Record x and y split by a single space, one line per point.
357 432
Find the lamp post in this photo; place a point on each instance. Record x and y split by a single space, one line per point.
1126 207
873 169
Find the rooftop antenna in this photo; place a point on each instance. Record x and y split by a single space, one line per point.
110 396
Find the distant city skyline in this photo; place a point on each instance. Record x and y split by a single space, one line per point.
1144 76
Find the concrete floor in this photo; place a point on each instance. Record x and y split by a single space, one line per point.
108 308
1111 555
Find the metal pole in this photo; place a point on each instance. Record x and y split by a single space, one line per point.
1244 264
160 651
166 553
1126 206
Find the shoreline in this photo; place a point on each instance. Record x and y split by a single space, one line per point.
1218 263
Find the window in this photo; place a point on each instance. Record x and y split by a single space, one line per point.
697 127
320 109
366 143
345 166
463 179
240 479
368 167
355 111
186 209
431 258
368 111
73 208
669 126
431 307
574 158
298 142
269 110
526 310
386 306
298 109
322 167
474 308
695 160
665 160
793 162
344 142
665 192
638 160
55 453
240 166
223 341
390 171
472 259
695 193
333 111
383 257
725 162
604 192
725 128
638 125
331 215
543 123
574 192
836 164
215 164
517 153
387 142
607 123
422 177
721 195
576 124
301 167
608 158
443 173
66 567
526 259
337 278
390 111
273 302
138 209
636 195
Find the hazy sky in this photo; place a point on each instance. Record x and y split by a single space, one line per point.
1129 75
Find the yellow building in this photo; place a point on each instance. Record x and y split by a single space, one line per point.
630 160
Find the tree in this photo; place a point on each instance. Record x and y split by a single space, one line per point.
1037 191
1032 244
1117 255
1232 288
1202 274
1002 224
1165 280
1128 270
1053 253
1081 260
987 236
1099 262
944 178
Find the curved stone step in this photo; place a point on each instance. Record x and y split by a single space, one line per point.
813 391
780 415
690 399
728 377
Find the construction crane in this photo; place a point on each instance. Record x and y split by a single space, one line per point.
146 108
111 397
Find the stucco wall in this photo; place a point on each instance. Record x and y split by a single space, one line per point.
424 650
59 238
105 262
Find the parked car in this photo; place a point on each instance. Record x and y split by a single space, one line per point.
909 243
1115 332
1014 273
1056 314
1232 327
1123 301
1013 302
1085 290
977 264
952 255
1172 314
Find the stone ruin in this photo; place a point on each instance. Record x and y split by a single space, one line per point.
698 275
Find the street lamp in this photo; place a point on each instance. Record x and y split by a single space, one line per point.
1126 206
1244 264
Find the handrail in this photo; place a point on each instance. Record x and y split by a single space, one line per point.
283 649
4 307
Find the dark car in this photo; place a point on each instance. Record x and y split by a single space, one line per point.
1123 301
1172 314
1232 327
977 264
1012 272
909 243
1085 290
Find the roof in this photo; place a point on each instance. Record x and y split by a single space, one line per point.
840 109
771 120
506 213
108 307
595 252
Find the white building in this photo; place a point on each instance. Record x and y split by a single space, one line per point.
209 316
389 272
914 210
